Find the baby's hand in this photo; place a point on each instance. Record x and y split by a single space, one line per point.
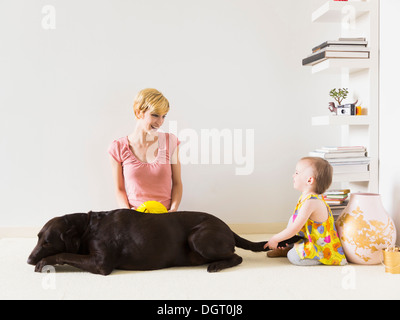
272 244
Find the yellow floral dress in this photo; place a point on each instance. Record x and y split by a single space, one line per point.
321 241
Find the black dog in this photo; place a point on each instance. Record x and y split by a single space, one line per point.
100 242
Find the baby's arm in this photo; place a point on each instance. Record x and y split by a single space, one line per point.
293 228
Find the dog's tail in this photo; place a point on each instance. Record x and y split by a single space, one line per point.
249 245
259 246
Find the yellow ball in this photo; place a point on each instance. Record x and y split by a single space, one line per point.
152 207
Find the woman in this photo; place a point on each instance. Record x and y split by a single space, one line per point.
145 164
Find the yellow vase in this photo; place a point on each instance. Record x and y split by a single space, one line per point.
365 229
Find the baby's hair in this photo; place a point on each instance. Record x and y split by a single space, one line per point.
323 173
150 99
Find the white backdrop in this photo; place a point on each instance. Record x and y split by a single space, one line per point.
69 71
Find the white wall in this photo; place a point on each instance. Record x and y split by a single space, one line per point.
389 182
66 93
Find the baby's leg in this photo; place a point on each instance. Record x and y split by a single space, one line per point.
295 259
278 253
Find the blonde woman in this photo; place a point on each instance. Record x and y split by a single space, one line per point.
145 164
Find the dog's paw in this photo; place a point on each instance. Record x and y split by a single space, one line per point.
49 261
214 267
40 265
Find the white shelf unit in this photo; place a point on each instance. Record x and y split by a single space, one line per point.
342 65
361 76
332 12
341 120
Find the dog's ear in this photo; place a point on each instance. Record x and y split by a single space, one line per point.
71 239
75 225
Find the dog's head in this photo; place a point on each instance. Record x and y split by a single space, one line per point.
61 234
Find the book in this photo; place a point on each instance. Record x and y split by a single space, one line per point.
336 198
342 42
339 151
342 47
333 155
337 192
353 39
333 202
343 148
355 160
337 204
324 55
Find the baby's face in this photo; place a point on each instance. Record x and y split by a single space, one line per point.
302 175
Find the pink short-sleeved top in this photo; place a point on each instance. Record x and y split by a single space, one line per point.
147 181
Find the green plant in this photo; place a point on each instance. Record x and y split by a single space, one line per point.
339 95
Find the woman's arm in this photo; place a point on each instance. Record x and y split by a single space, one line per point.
177 186
120 191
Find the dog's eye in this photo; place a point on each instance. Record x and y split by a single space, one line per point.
46 244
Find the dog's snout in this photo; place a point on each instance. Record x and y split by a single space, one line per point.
35 256
31 261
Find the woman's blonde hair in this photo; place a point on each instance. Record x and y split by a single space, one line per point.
323 173
152 100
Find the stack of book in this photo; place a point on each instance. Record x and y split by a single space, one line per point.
337 200
345 159
336 197
343 48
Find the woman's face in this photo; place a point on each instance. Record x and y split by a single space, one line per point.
151 121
